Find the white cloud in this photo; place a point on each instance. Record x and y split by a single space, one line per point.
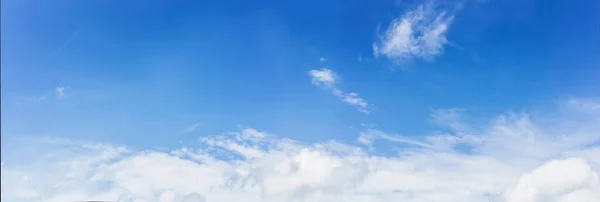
328 79
354 99
322 59
370 135
513 159
419 33
37 99
324 77
193 127
569 180
60 91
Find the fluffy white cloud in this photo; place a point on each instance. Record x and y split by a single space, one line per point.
514 158
328 79
419 33
570 180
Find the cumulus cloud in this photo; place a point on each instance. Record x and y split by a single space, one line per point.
569 180
328 79
418 33
514 158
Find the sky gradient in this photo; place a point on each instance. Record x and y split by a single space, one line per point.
401 81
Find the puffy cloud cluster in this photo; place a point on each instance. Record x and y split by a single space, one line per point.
418 33
570 180
514 158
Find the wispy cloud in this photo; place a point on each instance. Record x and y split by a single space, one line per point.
324 77
418 33
328 79
355 100
362 59
22 99
450 118
37 99
584 105
322 59
64 45
370 135
193 127
514 159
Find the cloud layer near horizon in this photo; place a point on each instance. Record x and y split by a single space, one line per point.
514 158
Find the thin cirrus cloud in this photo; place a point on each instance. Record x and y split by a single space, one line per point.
418 34
193 128
514 159
22 99
449 118
328 79
37 99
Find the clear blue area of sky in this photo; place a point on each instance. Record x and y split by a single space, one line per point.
141 72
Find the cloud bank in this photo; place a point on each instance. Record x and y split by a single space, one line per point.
516 157
418 33
328 79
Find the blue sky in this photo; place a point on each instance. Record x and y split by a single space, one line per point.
388 100
155 68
